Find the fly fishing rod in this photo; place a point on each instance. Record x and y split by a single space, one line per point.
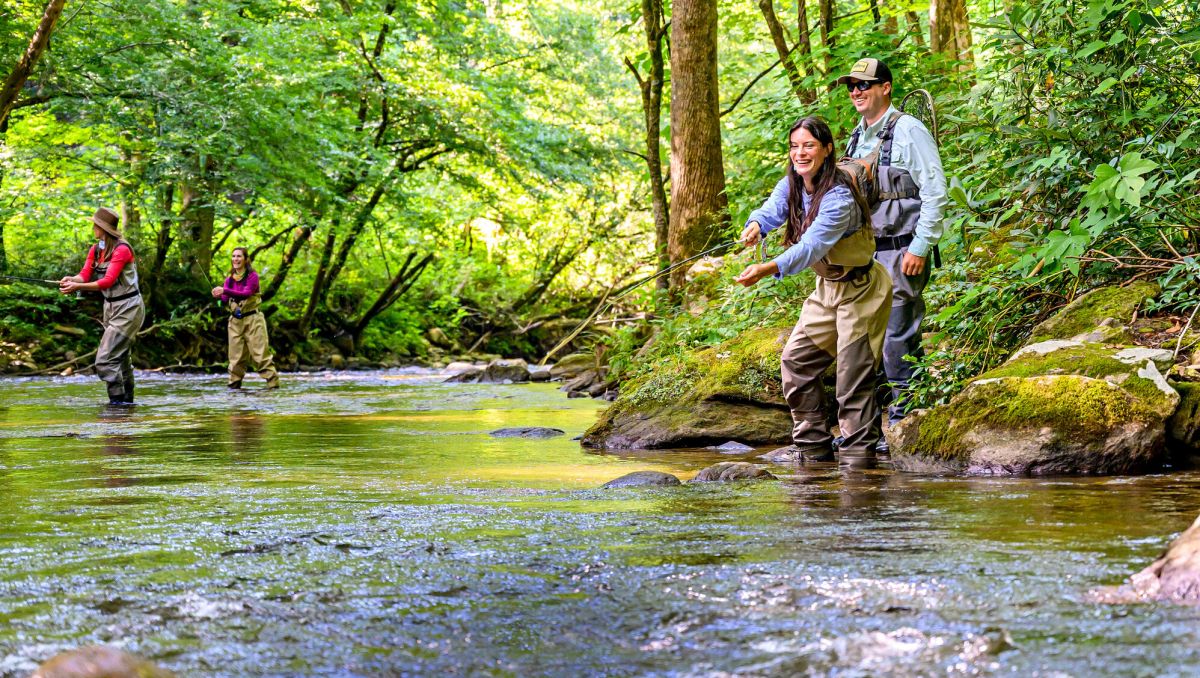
39 281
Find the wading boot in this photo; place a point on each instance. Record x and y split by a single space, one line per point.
234 385
823 453
129 392
856 461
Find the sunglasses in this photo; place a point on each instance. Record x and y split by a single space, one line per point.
862 86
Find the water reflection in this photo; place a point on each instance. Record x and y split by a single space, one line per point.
369 526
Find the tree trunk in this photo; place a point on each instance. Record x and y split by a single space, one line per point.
699 210
197 217
914 27
949 32
404 279
874 5
828 39
890 25
285 264
804 44
20 73
780 41
652 87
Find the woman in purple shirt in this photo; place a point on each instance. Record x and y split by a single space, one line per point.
247 327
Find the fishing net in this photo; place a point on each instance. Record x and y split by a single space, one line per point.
919 104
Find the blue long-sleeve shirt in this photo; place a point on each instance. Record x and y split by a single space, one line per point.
838 217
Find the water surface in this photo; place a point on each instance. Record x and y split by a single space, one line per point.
367 525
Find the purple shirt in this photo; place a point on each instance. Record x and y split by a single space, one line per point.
240 290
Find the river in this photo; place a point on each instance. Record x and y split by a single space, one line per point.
367 524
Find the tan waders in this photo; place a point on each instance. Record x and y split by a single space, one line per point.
845 318
123 315
248 346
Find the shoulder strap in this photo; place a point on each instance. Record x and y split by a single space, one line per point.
854 141
886 135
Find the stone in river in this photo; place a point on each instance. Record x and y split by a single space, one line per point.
526 432
731 470
95 661
642 479
1174 577
731 447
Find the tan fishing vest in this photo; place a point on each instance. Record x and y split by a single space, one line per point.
126 284
246 306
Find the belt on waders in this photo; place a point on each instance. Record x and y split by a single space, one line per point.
888 243
122 297
239 315
854 274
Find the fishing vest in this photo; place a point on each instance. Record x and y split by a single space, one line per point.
899 205
126 284
850 256
240 308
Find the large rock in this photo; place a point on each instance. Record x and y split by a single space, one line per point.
1174 577
1101 314
1058 406
709 396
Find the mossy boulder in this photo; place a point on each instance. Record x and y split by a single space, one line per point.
1056 407
1099 315
705 397
1183 428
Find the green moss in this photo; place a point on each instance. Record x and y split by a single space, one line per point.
1184 425
1074 405
746 366
1089 310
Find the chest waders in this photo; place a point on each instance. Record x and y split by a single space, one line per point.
249 346
123 316
844 319
894 221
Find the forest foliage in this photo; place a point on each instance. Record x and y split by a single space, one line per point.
486 168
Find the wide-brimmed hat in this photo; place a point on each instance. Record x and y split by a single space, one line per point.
108 221
870 70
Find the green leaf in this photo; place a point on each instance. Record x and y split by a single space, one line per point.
1090 49
1105 86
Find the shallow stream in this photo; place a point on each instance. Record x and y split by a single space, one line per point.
367 524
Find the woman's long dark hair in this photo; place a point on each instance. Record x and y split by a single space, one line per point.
246 257
828 176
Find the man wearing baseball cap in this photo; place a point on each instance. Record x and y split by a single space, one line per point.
908 220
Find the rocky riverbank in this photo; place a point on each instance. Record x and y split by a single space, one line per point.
1095 390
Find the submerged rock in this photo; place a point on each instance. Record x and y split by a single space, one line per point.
96 661
468 375
642 479
1062 405
727 471
1174 577
731 447
527 432
708 396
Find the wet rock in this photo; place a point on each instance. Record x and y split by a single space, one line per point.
527 432
782 455
582 381
598 389
1060 405
642 479
336 361
577 394
468 376
438 338
1174 577
97 661
458 367
727 471
539 373
731 447
727 392
1183 428
572 365
512 370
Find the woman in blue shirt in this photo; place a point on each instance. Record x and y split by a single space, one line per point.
827 230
